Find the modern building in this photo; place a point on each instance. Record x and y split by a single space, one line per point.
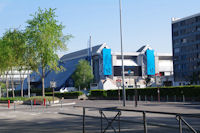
186 47
107 68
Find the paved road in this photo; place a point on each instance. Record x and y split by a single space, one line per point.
68 119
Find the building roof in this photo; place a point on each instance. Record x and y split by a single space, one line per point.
77 54
176 20
59 77
144 48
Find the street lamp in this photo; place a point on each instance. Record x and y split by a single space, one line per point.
124 92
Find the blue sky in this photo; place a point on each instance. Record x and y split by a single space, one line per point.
143 21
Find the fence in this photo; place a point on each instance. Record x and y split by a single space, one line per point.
181 125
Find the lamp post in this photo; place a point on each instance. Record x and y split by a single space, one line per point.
124 92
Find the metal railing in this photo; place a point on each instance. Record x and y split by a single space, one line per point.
178 116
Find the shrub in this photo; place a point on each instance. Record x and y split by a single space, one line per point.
37 98
66 95
98 93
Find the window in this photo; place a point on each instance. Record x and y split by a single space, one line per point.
198 37
184 40
175 25
197 19
197 28
175 42
175 33
176 50
182 32
182 23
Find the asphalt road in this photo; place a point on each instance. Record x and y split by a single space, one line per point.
68 119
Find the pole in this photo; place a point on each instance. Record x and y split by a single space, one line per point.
144 122
136 95
180 124
158 95
118 93
91 63
53 94
124 92
0 91
83 119
29 85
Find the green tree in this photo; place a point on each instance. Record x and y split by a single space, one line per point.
83 75
2 88
45 38
10 55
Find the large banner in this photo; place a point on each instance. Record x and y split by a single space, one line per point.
107 62
150 62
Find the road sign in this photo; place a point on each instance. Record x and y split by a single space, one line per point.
52 84
158 81
118 82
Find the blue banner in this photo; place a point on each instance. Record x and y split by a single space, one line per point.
150 62
107 62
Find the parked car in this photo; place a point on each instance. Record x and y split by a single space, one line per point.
67 89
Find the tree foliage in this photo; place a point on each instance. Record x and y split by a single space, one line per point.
83 75
45 38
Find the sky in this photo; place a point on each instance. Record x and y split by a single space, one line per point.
144 22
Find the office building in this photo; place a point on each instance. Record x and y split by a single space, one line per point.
186 48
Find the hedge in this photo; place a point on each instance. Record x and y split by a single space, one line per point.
98 93
187 91
37 98
66 95
37 91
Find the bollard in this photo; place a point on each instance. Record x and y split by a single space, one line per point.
34 102
61 103
31 104
139 98
14 106
44 102
183 98
8 103
128 98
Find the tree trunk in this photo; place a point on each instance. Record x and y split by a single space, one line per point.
28 80
12 82
22 87
7 85
43 87
13 92
0 91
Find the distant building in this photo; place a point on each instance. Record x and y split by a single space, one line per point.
107 68
186 47
138 66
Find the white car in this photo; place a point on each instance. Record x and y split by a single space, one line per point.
67 89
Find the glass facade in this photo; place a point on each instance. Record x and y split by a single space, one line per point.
186 47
